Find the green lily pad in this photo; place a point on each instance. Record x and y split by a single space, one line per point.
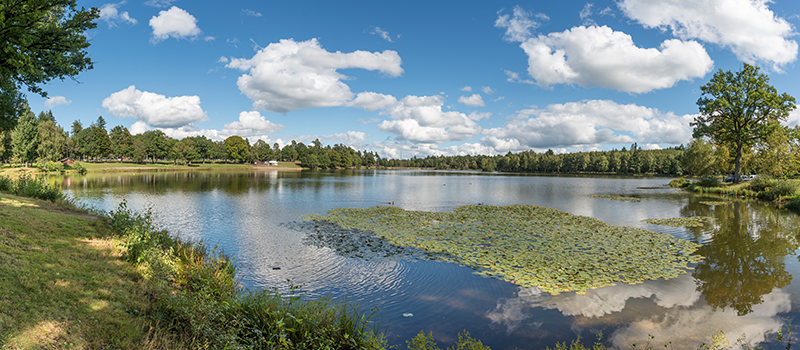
526 245
694 221
617 198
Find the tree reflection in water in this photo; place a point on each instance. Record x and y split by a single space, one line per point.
744 259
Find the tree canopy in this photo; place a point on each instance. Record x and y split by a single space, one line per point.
739 109
43 40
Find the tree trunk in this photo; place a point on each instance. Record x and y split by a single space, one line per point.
737 169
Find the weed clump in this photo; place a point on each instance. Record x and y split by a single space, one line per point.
27 186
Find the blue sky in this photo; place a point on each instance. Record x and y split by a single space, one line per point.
423 78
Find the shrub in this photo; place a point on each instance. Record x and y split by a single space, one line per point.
28 186
708 182
780 188
794 204
54 166
679 182
465 342
760 184
79 168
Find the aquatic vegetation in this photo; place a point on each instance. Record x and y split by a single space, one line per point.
527 245
710 203
694 221
617 198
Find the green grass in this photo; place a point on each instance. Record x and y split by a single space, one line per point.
62 283
785 192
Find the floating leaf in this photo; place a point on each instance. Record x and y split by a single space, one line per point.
524 244
693 221
617 198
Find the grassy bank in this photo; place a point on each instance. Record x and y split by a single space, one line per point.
783 192
72 280
62 283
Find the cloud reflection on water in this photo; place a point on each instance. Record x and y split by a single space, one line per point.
684 319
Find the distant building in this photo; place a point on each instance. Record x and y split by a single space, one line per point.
273 163
67 161
258 162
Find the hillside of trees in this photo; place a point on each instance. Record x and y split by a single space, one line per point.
39 139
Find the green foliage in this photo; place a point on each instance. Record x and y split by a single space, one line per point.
526 245
52 141
694 221
780 188
617 198
708 181
25 138
43 40
121 142
679 182
772 189
50 166
794 204
237 148
740 109
577 345
197 298
184 151
28 186
699 158
80 169
424 341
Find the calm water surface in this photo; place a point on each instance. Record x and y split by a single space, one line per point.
744 286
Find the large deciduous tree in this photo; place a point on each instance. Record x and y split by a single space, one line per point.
237 148
43 40
739 109
40 40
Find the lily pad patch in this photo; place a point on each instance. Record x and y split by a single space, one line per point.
617 198
527 245
693 221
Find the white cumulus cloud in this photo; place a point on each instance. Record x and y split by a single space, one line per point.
747 27
251 124
474 100
518 25
155 110
588 123
466 88
602 57
176 23
53 101
289 75
794 118
113 16
372 101
419 119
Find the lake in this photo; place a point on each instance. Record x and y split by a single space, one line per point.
743 286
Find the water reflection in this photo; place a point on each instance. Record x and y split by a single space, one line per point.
745 256
743 286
